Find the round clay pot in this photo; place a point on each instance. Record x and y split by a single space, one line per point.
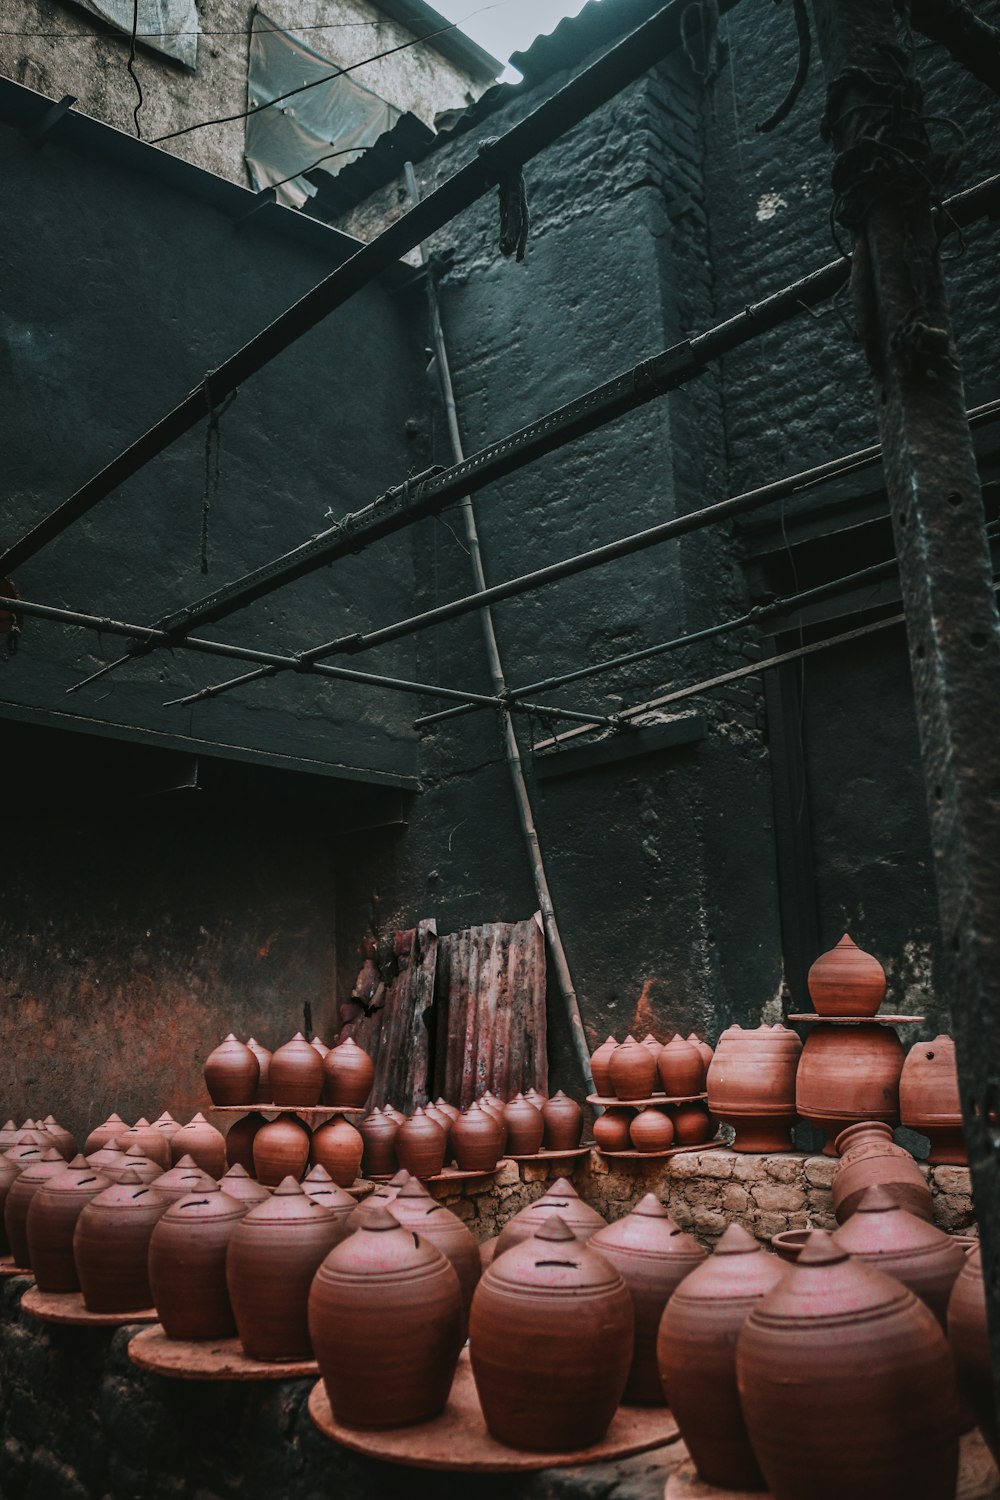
166 1125
563 1121
611 1130
649 1040
111 1246
394 1114
551 1341
475 1140
651 1130
240 1138
696 1351
338 1147
846 1074
296 1073
525 1127
8 1135
349 1075
280 1150
707 1053
202 1141
9 1173
492 1105
846 981
102 1134
187 1265
262 1093
319 1045
151 1143
421 1145
968 1337
416 1209
847 1385
187 1177
232 1073
693 1125
632 1070
65 1142
318 1184
19 1197
600 1067
790 1243
751 1085
448 1109
240 1185
378 1132
561 1198
654 1256
868 1155
929 1100
680 1068
274 1253
385 1315
136 1163
922 1257
51 1220
534 1097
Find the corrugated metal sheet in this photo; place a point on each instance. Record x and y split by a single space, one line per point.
394 1031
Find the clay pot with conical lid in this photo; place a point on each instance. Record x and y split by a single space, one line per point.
238 1183
102 1134
136 1163
847 1384
166 1124
649 1040
8 1135
108 1157
296 1073
651 1130
534 1097
19 1197
475 1140
240 1138
707 1053
232 1073
563 1121
886 1236
846 981
9 1173
848 1074
349 1074
319 1045
525 1127
274 1253
420 1145
52 1216
751 1085
696 1352
551 1341
24 1152
929 1100
152 1143
600 1067
320 1185
968 1337
451 1110
869 1156
185 1178
561 1198
416 1209
385 1315
378 1132
111 1246
632 1070
653 1255
262 1093
680 1068
339 1147
187 1265
280 1150
393 1113
202 1141
65 1142
491 1104
611 1130
440 1118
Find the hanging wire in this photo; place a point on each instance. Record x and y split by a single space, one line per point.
787 104
131 68
213 472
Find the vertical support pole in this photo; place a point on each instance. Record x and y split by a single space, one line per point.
797 901
882 181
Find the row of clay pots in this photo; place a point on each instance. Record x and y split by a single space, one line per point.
655 1128
635 1070
299 1073
275 1149
49 1132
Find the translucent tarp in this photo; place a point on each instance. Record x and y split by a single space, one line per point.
169 26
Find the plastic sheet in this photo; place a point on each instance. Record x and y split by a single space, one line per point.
168 26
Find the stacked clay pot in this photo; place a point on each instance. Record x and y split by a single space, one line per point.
476 1140
562 1118
693 1125
611 1130
296 1073
187 1265
929 1100
886 1236
280 1150
102 1134
111 1246
653 1256
65 1143
262 1093
525 1127
318 1184
232 1073
378 1133
848 1074
551 1342
707 1052
19 1198
202 1141
559 1198
152 1143
348 1075
416 1209
680 1068
600 1067
9 1174
869 1156
338 1147
240 1138
847 1385
632 1070
968 1337
652 1130
846 981
751 1085
51 1221
186 1177
420 1145
696 1352
238 1183
385 1317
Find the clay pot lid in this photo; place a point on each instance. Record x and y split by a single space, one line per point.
51 1163
129 1192
880 1223
649 1040
137 1157
381 1247
204 1205
289 1203
738 1241
78 1177
23 1152
164 1120
648 1230
553 1260
318 1173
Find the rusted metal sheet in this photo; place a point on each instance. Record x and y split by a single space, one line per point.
490 1011
388 1016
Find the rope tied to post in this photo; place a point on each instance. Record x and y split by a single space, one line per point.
514 217
213 471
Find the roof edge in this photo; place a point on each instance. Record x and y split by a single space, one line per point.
453 44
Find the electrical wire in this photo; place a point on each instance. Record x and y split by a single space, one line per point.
131 69
350 151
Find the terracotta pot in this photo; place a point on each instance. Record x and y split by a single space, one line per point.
492 1105
448 1109
969 1340
319 1045
535 1098
649 1040
296 1073
632 1070
202 1141
393 1113
693 1125
318 1184
187 1177
651 1130
847 1385
885 1236
136 1164
846 981
848 1073
240 1185
680 1068
751 1085
187 1265
151 1143
696 1351
18 1200
536 1314
274 1253
600 1067
338 1147
349 1075
9 1173
525 1127
420 1145
868 1156
440 1118
385 1315
654 1256
232 1073
65 1142
102 1134
280 1150
611 1130
107 1157
707 1054
111 1246
262 1093
378 1132
8 1135
475 1140
416 1209
559 1198
51 1220
929 1100
790 1243
22 1155
563 1121
166 1125
240 1138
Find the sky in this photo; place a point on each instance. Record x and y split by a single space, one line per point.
506 26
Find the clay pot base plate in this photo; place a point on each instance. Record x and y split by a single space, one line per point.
209 1359
655 1155
811 1016
458 1439
304 1111
450 1174
68 1307
8 1268
547 1155
685 1483
610 1102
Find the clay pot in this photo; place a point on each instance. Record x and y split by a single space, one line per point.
448 1109
232 1073
885 1236
262 1093
280 1150
240 1138
525 1127
102 1134
696 1352
319 1045
790 1243
534 1097
680 1068
296 1073
563 1121
152 1143
349 1075
106 1158
653 1255
202 1141
632 1070
240 1185
649 1040
440 1118
559 1198
542 1383
51 1220
693 1125
136 1164
8 1135
600 1067
707 1054
492 1105
929 1099
19 1196
847 1385
751 1085
848 1073
187 1265
969 1340
24 1153
416 1209
166 1125
846 981
111 1246
378 1132
385 1315
65 1143
475 1140
274 1253
187 1177
651 1130
868 1156
9 1174
318 1184
420 1145
394 1114
338 1147
611 1130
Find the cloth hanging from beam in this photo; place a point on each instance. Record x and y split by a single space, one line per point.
168 26
387 1017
